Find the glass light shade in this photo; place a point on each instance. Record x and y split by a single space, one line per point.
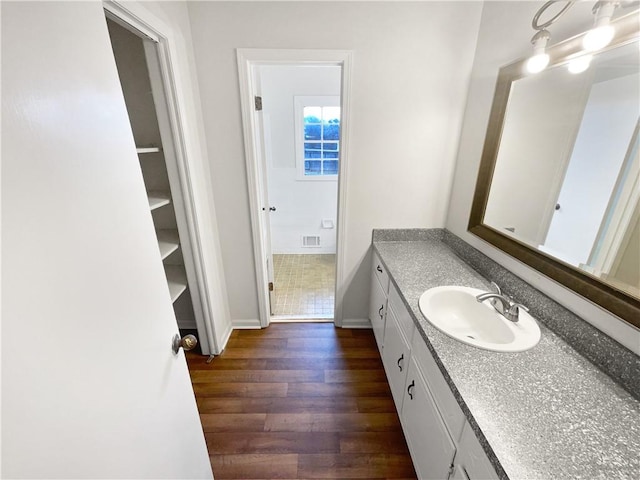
580 64
537 63
598 38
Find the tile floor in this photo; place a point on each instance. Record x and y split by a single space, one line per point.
304 286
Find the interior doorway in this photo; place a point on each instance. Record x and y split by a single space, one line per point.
301 145
148 97
295 119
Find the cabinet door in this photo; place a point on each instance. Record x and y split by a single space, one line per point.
472 459
431 448
377 310
395 356
447 404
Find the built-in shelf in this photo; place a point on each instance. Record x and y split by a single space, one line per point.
168 242
177 280
158 199
147 150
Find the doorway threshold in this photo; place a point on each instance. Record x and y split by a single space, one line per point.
302 319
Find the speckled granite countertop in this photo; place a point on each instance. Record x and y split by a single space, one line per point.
547 413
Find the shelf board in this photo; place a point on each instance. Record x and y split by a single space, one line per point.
177 280
168 242
147 150
158 199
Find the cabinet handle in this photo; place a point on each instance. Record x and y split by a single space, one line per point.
399 361
380 311
379 269
410 389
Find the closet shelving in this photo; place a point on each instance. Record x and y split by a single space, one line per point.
158 199
168 238
177 280
143 150
168 242
164 201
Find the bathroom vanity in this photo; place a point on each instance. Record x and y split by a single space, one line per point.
469 413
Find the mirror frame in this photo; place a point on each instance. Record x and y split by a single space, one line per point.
593 289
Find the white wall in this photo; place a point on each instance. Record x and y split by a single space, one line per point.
410 77
500 21
301 204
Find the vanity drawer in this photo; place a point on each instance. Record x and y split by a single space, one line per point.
446 402
405 322
379 271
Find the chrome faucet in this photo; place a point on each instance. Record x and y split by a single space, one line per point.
503 304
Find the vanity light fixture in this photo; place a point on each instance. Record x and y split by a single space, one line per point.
540 58
602 32
595 39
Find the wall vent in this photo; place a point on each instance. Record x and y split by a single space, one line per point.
311 240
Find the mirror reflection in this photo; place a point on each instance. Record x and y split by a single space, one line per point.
567 174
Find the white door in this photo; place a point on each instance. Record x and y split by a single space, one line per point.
261 124
90 386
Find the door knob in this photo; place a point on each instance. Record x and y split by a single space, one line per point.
188 342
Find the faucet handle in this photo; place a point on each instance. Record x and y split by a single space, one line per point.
515 307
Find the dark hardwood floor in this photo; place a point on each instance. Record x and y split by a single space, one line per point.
299 400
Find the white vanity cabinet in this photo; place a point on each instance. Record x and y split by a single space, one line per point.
378 299
441 442
396 355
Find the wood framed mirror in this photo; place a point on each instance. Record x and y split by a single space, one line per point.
558 186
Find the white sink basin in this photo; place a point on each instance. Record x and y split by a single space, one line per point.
456 312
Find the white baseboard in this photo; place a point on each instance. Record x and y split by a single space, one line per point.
246 323
356 323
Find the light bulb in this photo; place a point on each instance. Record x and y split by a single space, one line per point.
580 64
537 63
540 58
598 38
602 32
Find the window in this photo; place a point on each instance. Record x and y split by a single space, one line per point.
317 121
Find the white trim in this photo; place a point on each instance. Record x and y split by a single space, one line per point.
356 323
247 59
246 324
150 26
224 337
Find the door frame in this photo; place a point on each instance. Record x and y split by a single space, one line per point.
248 59
144 23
